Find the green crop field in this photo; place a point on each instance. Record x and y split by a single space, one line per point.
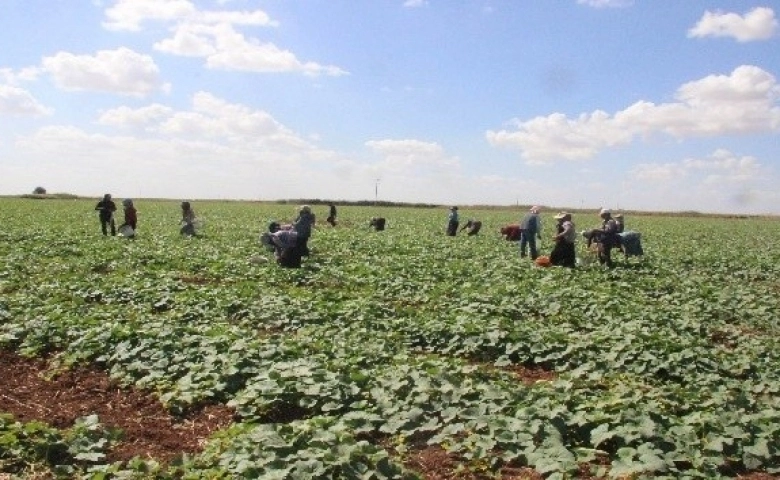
389 345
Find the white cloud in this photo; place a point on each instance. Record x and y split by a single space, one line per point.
217 143
722 165
657 172
757 24
744 102
724 160
121 71
226 49
212 35
720 182
415 3
210 119
16 101
606 3
214 118
12 77
126 117
130 14
255 18
410 155
212 145
190 41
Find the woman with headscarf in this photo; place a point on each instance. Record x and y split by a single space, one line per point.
187 220
302 226
131 218
284 244
452 222
563 253
472 227
331 215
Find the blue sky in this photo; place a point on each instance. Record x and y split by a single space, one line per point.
652 105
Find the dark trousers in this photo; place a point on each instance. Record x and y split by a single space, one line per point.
290 257
528 240
608 242
378 224
302 246
563 254
452 228
105 222
605 254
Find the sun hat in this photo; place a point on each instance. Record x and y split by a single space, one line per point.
562 215
605 211
618 215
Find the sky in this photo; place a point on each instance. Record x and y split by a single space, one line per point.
661 105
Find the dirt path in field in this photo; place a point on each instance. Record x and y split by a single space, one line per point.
149 430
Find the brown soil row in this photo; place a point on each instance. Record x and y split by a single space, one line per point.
149 430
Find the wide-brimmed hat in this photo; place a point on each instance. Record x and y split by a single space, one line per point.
618 215
562 215
535 209
127 202
605 211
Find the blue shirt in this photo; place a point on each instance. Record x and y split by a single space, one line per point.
530 224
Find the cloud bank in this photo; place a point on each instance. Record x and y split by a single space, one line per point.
741 103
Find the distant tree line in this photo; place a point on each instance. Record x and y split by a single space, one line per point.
354 203
41 193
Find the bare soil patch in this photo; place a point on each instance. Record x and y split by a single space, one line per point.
530 375
434 463
150 431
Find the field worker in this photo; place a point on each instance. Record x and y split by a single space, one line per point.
285 245
531 229
563 252
273 227
302 226
131 217
621 225
106 209
377 223
609 237
452 222
331 215
187 220
510 232
472 227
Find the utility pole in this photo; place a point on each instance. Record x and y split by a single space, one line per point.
376 191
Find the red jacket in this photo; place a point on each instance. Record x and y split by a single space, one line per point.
131 216
511 232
